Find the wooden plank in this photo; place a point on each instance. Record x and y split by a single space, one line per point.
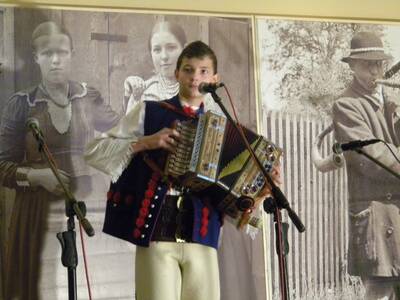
288 191
308 219
268 128
99 36
302 202
232 42
280 127
7 50
132 58
90 62
325 219
320 236
320 205
295 201
331 220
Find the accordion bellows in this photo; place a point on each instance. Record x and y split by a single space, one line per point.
212 158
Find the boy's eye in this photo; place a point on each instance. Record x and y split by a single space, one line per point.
204 72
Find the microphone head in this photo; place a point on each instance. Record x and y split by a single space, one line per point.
32 122
209 87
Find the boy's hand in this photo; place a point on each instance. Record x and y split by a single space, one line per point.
276 174
166 139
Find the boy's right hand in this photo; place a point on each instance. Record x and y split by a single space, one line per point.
166 139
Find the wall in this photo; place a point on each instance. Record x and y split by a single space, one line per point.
358 9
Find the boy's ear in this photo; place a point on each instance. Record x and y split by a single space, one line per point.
216 77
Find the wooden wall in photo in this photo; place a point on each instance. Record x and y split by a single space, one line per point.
316 261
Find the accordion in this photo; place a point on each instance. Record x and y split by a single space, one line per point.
211 158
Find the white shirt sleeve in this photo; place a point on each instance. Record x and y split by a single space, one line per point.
112 151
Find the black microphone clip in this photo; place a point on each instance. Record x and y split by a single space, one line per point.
209 87
353 145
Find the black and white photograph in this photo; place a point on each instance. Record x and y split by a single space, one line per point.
69 76
96 104
327 88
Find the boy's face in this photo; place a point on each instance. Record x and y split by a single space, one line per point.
191 73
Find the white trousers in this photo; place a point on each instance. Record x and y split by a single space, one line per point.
177 271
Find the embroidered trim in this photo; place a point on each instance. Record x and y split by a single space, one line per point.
144 209
125 160
21 176
32 101
170 89
28 99
368 49
205 212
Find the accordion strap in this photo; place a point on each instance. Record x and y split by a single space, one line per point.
175 109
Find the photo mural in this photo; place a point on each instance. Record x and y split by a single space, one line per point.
324 82
109 61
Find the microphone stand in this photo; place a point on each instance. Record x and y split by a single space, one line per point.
69 256
362 152
277 202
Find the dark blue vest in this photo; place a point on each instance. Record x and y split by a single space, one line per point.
134 201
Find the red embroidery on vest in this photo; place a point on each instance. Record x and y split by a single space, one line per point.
144 209
205 212
117 198
110 194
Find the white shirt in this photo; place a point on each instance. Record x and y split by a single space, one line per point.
112 151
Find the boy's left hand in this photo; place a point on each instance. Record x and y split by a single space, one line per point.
276 176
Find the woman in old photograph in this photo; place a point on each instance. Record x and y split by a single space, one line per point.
68 113
166 42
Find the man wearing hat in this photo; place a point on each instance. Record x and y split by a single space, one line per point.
367 110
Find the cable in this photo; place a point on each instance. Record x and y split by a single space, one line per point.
85 261
390 149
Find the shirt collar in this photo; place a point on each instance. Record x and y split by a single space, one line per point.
191 110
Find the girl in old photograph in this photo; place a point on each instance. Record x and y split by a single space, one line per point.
68 113
166 42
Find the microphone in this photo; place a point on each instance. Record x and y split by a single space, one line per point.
33 125
353 145
208 87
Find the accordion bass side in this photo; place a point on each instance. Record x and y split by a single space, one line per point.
212 158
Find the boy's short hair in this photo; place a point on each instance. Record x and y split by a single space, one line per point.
198 49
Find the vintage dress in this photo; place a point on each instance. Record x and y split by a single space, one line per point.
33 205
136 197
374 194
